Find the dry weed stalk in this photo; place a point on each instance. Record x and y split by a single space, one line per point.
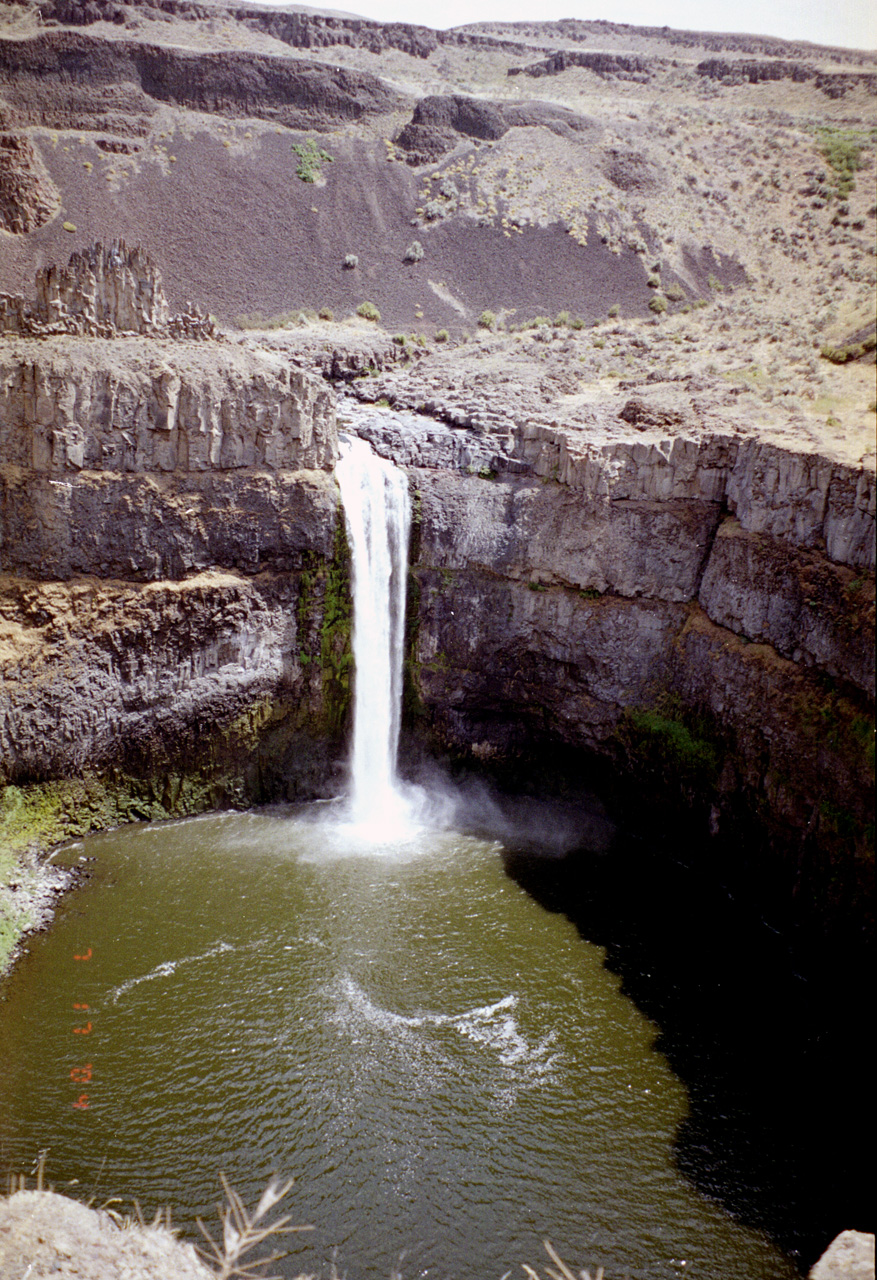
563 1272
243 1232
18 1181
127 1222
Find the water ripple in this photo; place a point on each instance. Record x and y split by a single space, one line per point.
493 1027
164 970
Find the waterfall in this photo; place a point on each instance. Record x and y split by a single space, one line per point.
377 511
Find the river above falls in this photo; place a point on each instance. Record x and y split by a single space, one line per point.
448 1069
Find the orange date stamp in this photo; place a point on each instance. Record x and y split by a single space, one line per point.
82 1074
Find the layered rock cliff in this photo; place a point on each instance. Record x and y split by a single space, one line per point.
69 80
695 611
657 592
169 537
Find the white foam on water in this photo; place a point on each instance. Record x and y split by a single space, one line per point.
525 1063
415 823
165 970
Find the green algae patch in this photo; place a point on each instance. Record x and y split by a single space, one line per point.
42 814
13 926
32 819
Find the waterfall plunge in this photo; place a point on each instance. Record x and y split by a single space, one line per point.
377 511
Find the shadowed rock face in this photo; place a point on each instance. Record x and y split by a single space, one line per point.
705 604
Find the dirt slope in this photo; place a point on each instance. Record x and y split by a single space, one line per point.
540 167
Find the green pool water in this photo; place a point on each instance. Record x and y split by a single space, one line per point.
448 1069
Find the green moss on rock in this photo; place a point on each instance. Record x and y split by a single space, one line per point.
666 740
336 654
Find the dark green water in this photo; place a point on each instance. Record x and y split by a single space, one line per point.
448 1069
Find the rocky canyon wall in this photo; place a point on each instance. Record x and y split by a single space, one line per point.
686 611
694 614
169 543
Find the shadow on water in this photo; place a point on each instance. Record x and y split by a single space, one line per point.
771 1045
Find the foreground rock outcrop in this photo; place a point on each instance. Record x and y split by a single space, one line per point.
849 1257
43 1234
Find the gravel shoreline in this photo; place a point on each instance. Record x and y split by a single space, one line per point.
29 892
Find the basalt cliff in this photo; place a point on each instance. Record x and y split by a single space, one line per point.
628 279
654 593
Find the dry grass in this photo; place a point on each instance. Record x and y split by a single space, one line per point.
560 1271
242 1232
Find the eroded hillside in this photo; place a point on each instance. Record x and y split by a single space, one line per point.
522 169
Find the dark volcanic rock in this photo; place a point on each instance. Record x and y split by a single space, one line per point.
27 196
75 13
300 30
632 171
547 115
603 64
753 71
68 80
439 122
320 31
648 413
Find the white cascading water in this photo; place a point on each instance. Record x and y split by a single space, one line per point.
377 511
